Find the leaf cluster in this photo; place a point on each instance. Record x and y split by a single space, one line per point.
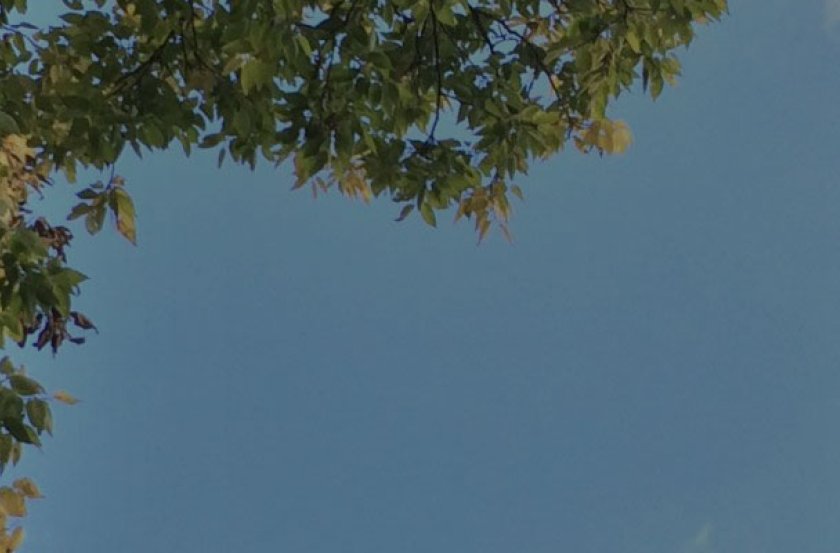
25 414
429 102
36 287
13 504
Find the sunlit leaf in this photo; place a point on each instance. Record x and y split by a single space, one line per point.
65 397
16 539
12 503
125 215
27 487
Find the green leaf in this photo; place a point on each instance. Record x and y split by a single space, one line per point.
79 210
305 167
428 214
255 74
152 136
446 16
5 449
233 64
242 122
39 414
7 124
6 366
68 279
24 385
404 212
21 432
95 218
11 405
88 194
656 84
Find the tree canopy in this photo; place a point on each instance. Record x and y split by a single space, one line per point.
436 104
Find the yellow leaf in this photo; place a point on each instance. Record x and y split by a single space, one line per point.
621 137
612 137
125 215
483 226
605 139
11 503
590 135
27 487
16 452
633 41
462 206
16 540
65 397
17 146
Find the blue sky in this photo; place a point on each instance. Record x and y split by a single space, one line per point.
650 367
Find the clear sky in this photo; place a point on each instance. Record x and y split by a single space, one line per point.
653 366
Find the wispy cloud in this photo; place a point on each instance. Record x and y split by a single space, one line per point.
701 542
832 13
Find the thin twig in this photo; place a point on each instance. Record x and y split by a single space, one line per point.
138 72
439 95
